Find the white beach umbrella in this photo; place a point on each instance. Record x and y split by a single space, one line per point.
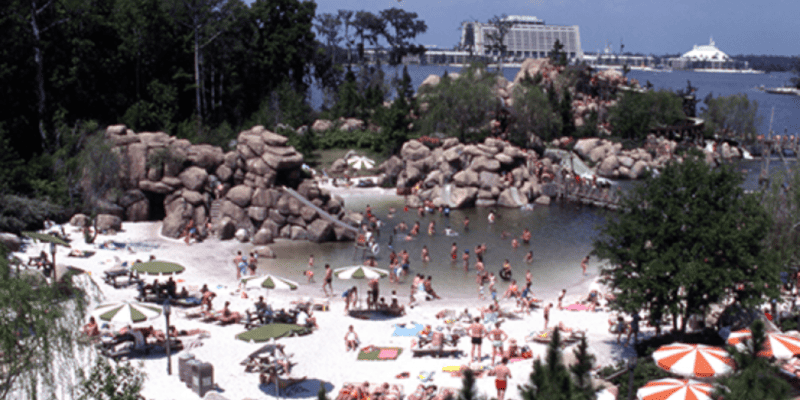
675 389
778 345
360 272
693 360
270 282
127 312
360 162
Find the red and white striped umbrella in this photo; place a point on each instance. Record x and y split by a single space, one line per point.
693 360
675 389
777 345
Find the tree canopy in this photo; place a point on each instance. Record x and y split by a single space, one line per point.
733 116
637 112
685 239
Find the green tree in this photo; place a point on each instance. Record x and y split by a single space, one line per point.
406 27
636 112
733 116
394 120
459 106
551 380
497 37
582 370
39 329
557 55
685 239
534 117
468 391
782 202
755 377
107 381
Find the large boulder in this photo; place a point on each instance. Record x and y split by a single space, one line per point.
504 159
414 150
543 200
130 197
466 177
226 229
431 81
257 213
240 195
600 152
265 252
193 178
485 164
194 198
138 211
320 231
173 224
511 197
231 210
462 196
279 158
626 161
205 155
298 233
11 241
242 235
413 201
638 170
155 187
608 166
489 180
137 163
391 167
263 236
585 146
453 154
273 139
80 220
352 124
108 222
264 197
321 125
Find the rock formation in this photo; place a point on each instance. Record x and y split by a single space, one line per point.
238 191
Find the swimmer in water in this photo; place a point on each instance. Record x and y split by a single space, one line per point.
448 231
529 257
479 266
526 236
426 256
415 229
432 228
465 258
491 217
528 278
454 251
514 243
466 223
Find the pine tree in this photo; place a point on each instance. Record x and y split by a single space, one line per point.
582 370
550 381
468 386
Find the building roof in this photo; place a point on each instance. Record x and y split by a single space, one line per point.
706 52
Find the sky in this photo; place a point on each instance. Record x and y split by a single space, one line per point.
644 26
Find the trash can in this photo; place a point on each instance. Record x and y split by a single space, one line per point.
184 372
202 378
191 366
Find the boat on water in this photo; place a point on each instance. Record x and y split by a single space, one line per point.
783 90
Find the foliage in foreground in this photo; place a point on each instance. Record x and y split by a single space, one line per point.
685 239
552 380
755 377
107 381
635 113
733 116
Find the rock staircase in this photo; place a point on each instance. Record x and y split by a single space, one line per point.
215 214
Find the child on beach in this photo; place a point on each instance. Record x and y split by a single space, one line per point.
454 252
310 275
351 339
311 262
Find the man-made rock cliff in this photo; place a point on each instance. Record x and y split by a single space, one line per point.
234 191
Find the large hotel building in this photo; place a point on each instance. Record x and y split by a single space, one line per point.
529 37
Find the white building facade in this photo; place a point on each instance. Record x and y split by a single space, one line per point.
529 37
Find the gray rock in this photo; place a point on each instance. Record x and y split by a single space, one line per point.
599 152
256 166
608 166
466 177
296 220
413 201
263 236
485 195
453 154
224 173
485 202
285 232
449 142
485 164
307 213
80 220
504 159
585 146
414 150
488 180
343 234
391 167
298 233
194 198
137 163
172 181
115 130
11 241
130 197
205 155
226 229
639 169
262 198
278 159
277 216
154 174
155 187
193 178
321 125
462 196
108 222
257 213
511 197
265 252
339 166
173 225
624 172
433 179
240 195
273 139
242 235
231 210
488 150
283 205
272 226
138 211
320 231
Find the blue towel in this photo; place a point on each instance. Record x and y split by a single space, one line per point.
408 331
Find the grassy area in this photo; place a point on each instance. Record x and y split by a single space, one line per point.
323 159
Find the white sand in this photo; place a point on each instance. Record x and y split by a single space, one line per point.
320 356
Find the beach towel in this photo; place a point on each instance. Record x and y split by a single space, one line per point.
409 330
451 368
379 353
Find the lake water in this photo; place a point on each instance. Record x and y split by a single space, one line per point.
562 233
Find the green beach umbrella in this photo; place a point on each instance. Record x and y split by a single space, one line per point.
360 272
157 268
43 237
271 331
125 312
271 282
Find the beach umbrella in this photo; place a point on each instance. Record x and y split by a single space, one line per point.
360 272
693 360
360 162
777 345
675 389
157 268
271 331
43 237
269 282
127 312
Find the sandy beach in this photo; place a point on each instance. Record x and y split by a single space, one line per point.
321 357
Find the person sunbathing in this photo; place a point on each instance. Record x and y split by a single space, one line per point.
91 329
227 316
347 392
174 332
445 393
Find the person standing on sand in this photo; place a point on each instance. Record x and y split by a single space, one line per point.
351 339
501 375
236 261
584 264
328 281
476 331
252 263
561 298
311 262
547 314
498 336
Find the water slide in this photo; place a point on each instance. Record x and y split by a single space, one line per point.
319 211
445 194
